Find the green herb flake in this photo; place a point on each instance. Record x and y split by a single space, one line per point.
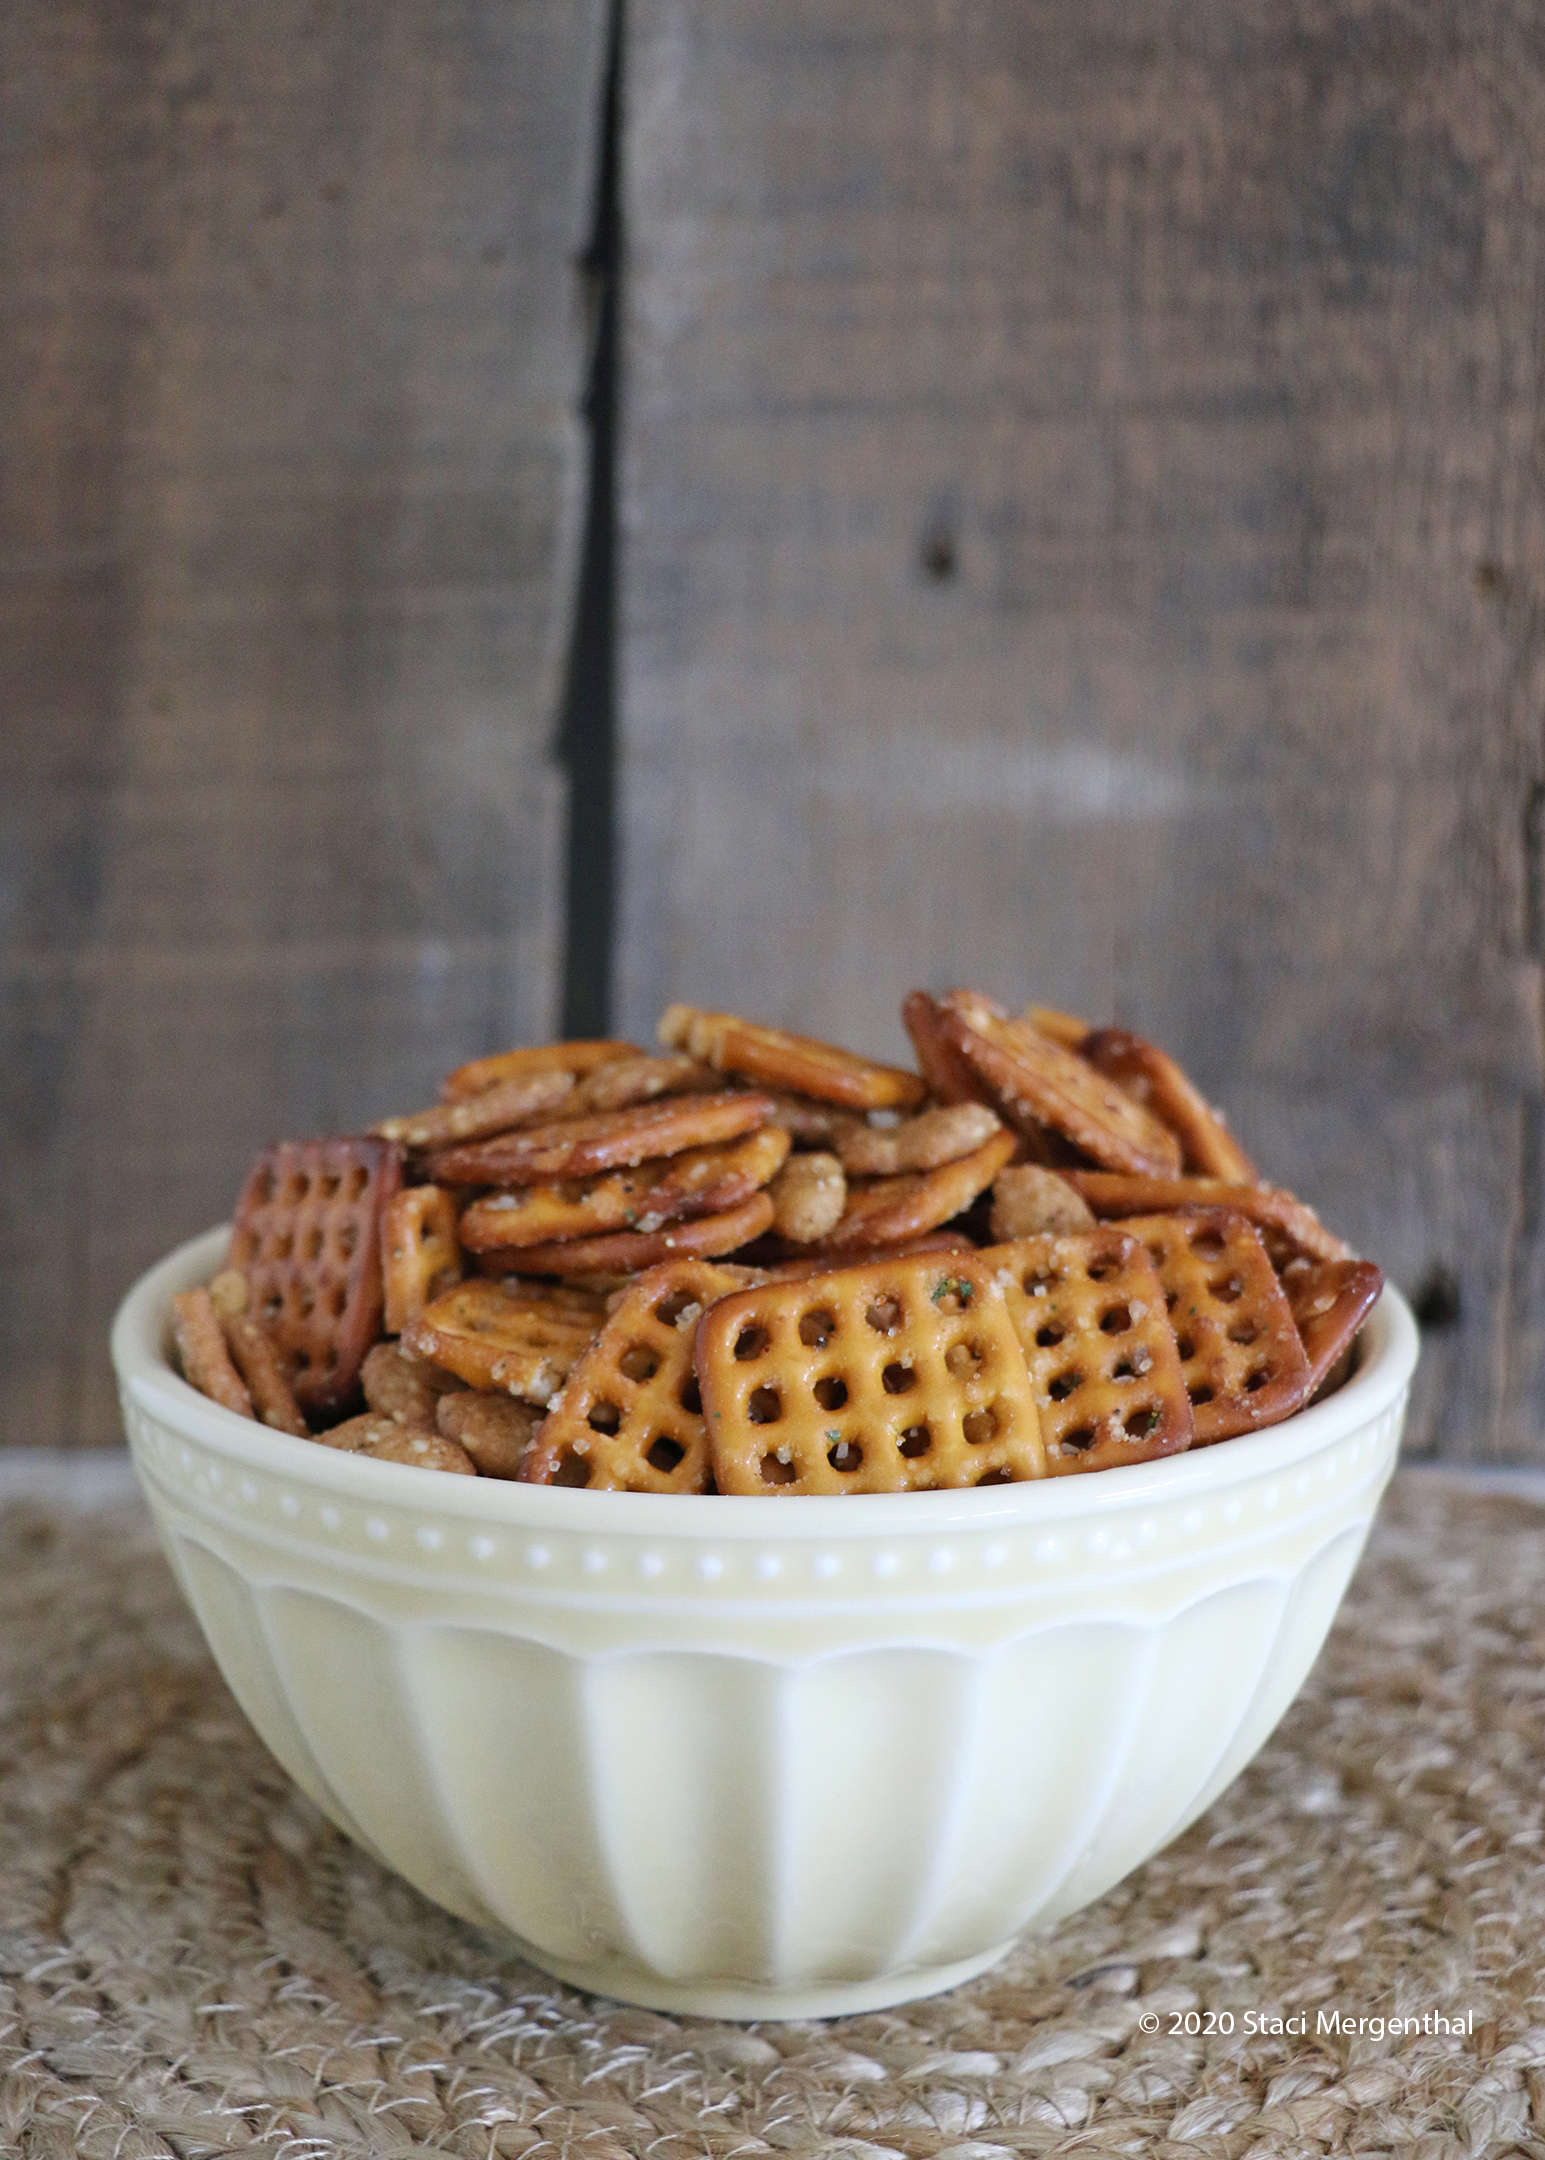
953 1285
833 1435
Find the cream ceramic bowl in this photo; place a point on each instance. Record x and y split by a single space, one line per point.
759 1757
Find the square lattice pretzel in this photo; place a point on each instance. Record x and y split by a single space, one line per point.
307 1237
630 1417
893 1376
1089 1312
1239 1345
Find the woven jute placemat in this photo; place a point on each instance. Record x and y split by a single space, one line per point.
193 1961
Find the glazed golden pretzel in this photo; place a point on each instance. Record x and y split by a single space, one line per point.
524 1340
898 1376
778 1059
888 1211
521 1100
630 1418
1207 1145
1037 1083
698 1181
420 1252
1240 1350
1090 1316
610 1140
574 1058
1285 1224
629 1252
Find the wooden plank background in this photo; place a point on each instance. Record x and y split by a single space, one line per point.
290 499
1080 532
1082 498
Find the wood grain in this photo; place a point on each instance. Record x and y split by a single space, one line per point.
1082 525
289 516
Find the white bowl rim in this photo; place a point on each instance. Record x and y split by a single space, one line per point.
140 1333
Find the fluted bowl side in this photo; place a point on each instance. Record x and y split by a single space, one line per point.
758 1757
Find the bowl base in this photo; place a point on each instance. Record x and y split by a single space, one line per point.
745 2001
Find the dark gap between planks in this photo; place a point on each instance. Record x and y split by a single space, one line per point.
587 733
